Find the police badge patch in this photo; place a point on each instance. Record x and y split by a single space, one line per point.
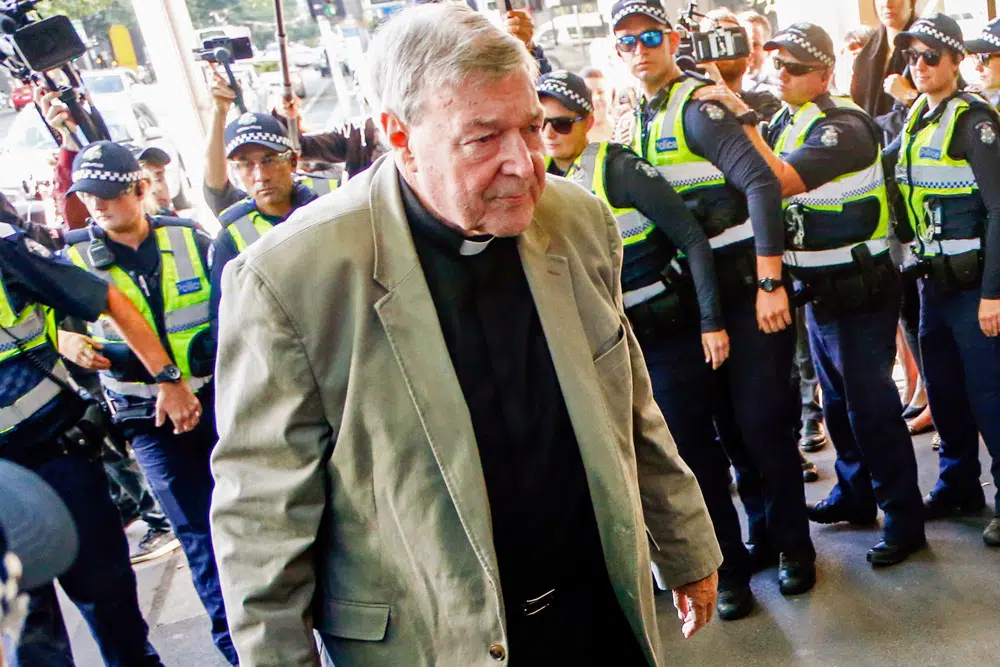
987 133
713 111
36 248
93 153
646 169
830 137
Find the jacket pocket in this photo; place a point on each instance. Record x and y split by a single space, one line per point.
365 621
613 356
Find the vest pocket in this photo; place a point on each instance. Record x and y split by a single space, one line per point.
364 621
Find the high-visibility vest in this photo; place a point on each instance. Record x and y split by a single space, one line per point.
34 328
839 204
186 296
927 176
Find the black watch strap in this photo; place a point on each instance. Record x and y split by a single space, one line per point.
170 373
749 118
769 284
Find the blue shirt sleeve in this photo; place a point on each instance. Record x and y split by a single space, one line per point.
32 274
836 146
222 252
977 135
717 136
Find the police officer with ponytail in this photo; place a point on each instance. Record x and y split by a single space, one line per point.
946 163
161 265
826 152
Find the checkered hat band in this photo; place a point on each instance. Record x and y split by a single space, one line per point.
557 87
102 175
991 38
926 28
255 137
794 38
640 9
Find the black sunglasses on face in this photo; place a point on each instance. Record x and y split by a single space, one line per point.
561 124
932 57
650 39
794 68
985 58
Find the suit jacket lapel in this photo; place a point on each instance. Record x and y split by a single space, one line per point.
411 323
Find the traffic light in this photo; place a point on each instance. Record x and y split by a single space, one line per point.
327 8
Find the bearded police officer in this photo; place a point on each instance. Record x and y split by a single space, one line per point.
47 426
704 154
826 152
160 264
946 162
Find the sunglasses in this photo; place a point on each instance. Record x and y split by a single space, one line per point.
561 124
794 68
932 57
650 39
984 58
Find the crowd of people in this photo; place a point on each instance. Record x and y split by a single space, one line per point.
456 407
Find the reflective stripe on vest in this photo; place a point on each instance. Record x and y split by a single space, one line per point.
36 398
7 231
185 288
840 196
141 390
248 229
588 169
321 186
925 171
667 148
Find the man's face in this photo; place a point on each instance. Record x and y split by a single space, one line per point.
989 74
799 90
757 37
475 159
159 190
732 69
936 79
647 64
120 214
563 146
266 175
599 94
894 13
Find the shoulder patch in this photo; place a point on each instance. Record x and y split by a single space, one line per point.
36 248
713 111
830 137
987 133
646 169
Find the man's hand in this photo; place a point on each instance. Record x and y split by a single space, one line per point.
290 108
773 313
222 92
695 603
520 25
716 347
82 351
896 86
57 116
178 402
989 317
723 95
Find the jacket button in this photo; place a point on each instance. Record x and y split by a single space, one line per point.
497 652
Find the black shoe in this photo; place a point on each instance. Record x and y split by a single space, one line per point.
813 438
826 512
940 506
796 576
762 556
991 536
889 553
735 603
912 411
809 471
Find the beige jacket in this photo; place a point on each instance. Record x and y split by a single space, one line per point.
350 496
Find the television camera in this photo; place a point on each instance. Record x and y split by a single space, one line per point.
224 51
698 46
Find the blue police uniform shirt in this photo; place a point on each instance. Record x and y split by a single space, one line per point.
977 140
713 133
144 266
31 275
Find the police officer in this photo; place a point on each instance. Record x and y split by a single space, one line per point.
946 162
47 426
703 153
826 152
986 50
161 265
672 303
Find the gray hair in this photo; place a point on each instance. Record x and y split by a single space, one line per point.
433 46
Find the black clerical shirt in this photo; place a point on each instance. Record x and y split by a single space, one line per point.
544 528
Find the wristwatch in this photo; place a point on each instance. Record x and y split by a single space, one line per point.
769 284
170 373
749 118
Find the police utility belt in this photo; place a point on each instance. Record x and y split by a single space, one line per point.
957 266
843 280
125 408
663 307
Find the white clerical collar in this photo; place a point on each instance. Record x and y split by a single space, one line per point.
475 245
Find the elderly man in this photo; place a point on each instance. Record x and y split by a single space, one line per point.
438 440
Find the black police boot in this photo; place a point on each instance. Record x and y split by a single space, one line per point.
813 438
827 512
762 556
890 552
942 505
734 603
809 471
991 536
796 575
